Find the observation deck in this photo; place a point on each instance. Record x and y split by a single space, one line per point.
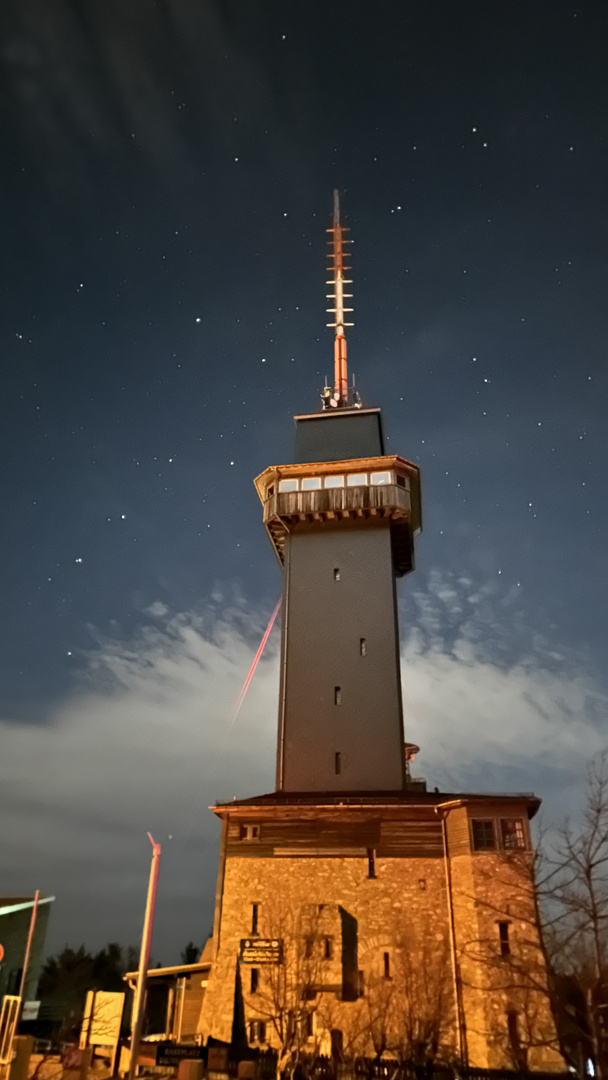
342 491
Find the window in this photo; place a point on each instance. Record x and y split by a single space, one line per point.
514 1039
337 763
257 1031
356 479
422 884
361 983
308 1025
483 835
270 491
249 832
401 481
255 918
377 478
310 483
288 485
362 647
337 695
512 831
503 937
371 863
336 573
387 965
255 980
334 481
308 947
328 948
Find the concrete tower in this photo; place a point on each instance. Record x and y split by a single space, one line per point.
342 521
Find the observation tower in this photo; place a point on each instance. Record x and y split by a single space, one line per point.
342 521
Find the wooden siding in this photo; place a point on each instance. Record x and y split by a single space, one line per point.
417 834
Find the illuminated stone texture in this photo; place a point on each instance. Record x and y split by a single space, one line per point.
308 872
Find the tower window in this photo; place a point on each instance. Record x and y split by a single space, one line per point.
270 491
361 983
512 831
288 485
328 949
401 481
371 862
334 481
503 937
362 647
387 965
514 1039
484 838
311 483
249 832
356 479
337 763
377 478
255 980
255 918
337 695
336 573
308 947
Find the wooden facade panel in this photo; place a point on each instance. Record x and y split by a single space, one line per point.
457 827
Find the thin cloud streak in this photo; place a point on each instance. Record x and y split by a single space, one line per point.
145 743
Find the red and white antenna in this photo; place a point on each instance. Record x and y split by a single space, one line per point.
337 268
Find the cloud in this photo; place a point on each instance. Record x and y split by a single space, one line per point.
145 743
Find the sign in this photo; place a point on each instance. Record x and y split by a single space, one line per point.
102 1018
170 1053
30 1010
261 950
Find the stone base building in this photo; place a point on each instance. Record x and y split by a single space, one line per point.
402 924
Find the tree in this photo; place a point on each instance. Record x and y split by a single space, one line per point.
284 995
66 978
190 953
573 882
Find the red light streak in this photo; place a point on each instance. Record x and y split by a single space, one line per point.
256 660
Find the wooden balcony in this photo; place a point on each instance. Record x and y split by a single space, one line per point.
282 510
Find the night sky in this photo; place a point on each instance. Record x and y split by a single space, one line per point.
167 170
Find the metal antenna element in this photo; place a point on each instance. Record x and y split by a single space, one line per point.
337 268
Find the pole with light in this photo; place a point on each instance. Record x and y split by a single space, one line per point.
144 960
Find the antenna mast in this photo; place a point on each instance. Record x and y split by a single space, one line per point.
337 268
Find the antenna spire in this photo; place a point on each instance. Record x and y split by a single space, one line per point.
337 268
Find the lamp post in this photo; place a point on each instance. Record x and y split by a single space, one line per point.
144 960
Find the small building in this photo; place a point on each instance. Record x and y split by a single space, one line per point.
174 999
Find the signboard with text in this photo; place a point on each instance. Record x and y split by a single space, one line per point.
261 950
170 1053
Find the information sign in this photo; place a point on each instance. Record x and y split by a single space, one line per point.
170 1053
261 950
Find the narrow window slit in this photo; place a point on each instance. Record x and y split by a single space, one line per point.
336 573
338 763
362 647
337 695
